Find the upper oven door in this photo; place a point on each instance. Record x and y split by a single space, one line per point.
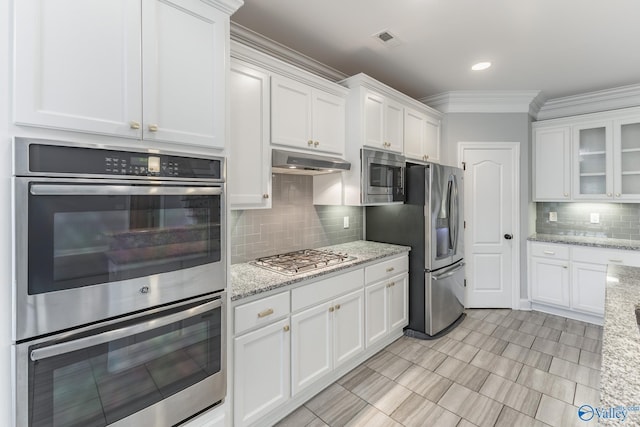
87 250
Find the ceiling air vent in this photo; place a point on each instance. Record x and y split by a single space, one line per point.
387 38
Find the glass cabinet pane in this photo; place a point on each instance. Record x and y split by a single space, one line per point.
630 158
593 160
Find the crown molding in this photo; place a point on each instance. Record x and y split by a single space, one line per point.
279 51
591 102
228 6
481 101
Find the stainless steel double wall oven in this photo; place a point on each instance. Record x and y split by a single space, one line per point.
119 285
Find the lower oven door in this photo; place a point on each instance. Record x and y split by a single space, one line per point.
156 369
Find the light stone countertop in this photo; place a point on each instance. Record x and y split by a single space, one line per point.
597 242
248 279
620 374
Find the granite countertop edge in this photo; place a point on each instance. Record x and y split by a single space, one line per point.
620 376
597 242
248 280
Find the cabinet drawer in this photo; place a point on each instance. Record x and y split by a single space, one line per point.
386 269
606 256
326 289
550 251
261 312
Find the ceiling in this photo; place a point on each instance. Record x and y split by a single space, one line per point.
561 47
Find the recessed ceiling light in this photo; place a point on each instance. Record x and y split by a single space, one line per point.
481 66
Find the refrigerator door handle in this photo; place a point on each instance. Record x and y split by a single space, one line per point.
448 273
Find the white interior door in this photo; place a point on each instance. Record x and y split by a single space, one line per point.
491 216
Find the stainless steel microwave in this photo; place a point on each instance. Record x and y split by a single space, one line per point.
383 177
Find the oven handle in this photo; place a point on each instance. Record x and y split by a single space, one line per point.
69 346
120 190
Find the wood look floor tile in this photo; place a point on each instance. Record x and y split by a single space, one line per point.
381 392
462 373
514 336
399 345
557 349
477 313
300 417
558 413
527 356
355 377
457 349
465 423
429 359
499 365
580 341
593 332
516 396
317 422
541 331
546 383
486 342
416 411
512 418
575 372
586 396
591 360
388 364
424 382
370 416
459 333
511 323
472 406
575 327
478 325
496 316
336 405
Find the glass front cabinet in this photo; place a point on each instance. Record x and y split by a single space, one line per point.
626 150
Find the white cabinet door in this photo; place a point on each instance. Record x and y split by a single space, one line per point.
552 164
626 153
77 65
592 161
249 163
432 140
374 110
348 327
550 281
290 113
261 372
588 287
376 312
311 346
394 125
421 136
398 302
329 116
184 72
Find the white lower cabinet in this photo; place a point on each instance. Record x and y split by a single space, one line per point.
325 336
386 307
550 281
588 287
261 371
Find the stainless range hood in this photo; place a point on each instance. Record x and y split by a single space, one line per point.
306 163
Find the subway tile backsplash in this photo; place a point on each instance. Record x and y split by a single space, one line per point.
617 220
292 223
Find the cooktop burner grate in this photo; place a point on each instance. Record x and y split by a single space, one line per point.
301 261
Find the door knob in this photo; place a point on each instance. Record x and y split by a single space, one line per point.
508 236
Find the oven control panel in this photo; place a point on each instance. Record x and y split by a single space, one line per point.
97 161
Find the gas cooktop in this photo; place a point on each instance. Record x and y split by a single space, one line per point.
301 261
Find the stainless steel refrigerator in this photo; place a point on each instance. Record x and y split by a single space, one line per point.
431 222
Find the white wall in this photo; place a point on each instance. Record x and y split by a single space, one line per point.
496 127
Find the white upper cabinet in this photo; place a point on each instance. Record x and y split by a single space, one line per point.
249 166
306 117
383 119
603 162
552 163
421 136
139 69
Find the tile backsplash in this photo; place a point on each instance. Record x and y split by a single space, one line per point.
616 220
292 223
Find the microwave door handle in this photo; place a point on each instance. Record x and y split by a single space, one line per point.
120 190
69 346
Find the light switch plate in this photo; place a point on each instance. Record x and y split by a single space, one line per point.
553 216
595 218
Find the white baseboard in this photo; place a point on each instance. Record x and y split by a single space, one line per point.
525 305
568 313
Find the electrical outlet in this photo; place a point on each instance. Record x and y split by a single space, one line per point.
346 222
553 216
595 218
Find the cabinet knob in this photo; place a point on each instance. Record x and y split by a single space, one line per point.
617 194
331 309
337 306
153 128
608 194
315 144
566 194
134 125
286 328
265 196
309 143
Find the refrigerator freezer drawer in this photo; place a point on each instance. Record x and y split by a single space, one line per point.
445 298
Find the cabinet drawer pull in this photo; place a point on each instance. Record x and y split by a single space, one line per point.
134 125
549 252
286 328
265 313
390 269
153 128
615 260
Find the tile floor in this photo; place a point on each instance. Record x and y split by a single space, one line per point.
497 368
